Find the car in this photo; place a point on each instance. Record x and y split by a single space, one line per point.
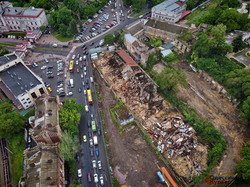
99 163
84 138
77 62
96 178
62 94
84 63
49 89
83 46
89 177
92 116
43 67
87 81
97 152
79 90
99 132
84 57
91 152
89 134
89 124
94 163
70 93
50 76
87 53
82 76
29 139
101 180
81 66
91 142
79 172
77 70
60 73
92 43
46 60
73 57
85 69
78 55
86 108
87 86
85 73
80 59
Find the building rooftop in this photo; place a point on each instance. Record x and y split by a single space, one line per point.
172 28
42 166
22 11
7 58
168 6
166 52
19 79
126 58
130 38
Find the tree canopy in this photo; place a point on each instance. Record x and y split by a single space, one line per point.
109 39
11 122
243 167
156 42
70 115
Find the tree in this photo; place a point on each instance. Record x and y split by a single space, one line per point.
119 37
109 39
70 116
42 28
245 109
68 146
75 183
11 123
156 42
243 167
231 3
238 44
169 79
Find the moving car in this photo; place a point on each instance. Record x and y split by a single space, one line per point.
89 177
101 180
84 138
86 108
91 152
91 142
96 178
94 163
99 163
49 89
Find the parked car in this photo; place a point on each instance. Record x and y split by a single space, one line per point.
99 164
89 177
101 180
84 138
91 152
96 178
94 163
97 151
79 172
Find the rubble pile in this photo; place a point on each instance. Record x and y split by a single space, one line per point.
174 138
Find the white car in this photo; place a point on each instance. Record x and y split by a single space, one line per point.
73 57
94 163
101 180
70 93
99 163
84 68
84 91
79 172
43 67
84 57
86 108
80 59
77 62
95 178
82 76
91 142
85 73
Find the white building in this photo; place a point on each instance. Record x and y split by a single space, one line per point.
20 18
18 82
169 10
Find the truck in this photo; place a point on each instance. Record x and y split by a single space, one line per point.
71 83
95 140
161 177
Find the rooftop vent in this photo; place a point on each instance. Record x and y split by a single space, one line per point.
11 75
18 83
8 72
19 78
31 84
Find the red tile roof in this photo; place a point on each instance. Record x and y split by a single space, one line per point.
126 58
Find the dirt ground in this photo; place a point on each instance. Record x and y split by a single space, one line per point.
209 104
132 159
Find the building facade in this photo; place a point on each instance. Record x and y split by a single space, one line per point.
169 10
21 19
19 83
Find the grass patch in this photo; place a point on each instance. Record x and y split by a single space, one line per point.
115 182
237 62
16 145
15 34
49 49
97 88
7 44
135 14
61 38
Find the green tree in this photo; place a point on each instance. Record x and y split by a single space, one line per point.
243 167
70 115
75 183
42 28
231 3
156 42
11 123
169 79
245 109
3 51
187 36
119 37
109 39
68 146
238 44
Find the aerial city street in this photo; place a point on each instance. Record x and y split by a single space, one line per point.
124 93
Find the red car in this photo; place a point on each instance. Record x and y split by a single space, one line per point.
89 177
77 70
84 63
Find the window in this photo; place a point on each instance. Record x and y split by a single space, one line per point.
41 91
34 95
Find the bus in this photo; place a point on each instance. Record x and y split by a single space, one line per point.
71 66
93 126
90 100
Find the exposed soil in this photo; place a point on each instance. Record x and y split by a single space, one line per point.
133 161
209 104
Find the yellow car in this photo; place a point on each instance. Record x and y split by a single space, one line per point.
49 89
84 138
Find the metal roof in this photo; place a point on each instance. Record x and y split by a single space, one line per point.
166 6
19 79
22 11
7 58
129 38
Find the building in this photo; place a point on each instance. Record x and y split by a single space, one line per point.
18 82
123 115
134 46
169 11
43 167
45 123
21 19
